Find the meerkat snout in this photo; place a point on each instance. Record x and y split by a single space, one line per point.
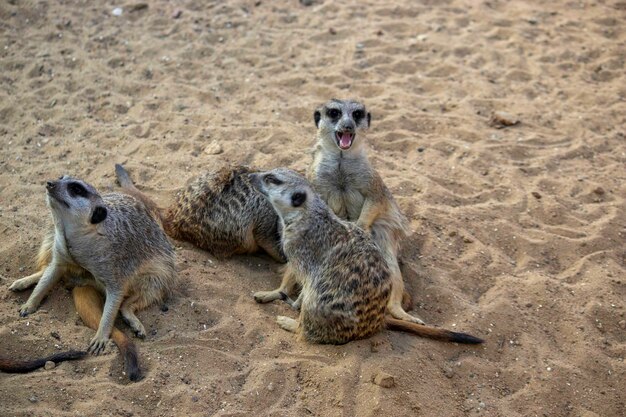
73 197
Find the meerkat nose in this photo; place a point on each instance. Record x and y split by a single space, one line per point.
50 185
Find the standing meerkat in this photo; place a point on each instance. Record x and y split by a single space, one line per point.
220 212
342 175
112 242
346 281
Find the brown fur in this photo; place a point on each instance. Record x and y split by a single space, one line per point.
220 212
89 306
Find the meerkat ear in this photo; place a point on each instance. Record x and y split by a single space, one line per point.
317 116
369 119
98 215
298 199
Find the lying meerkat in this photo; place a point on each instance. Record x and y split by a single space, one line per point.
344 178
112 242
220 212
346 280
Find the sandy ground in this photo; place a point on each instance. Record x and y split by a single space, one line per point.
519 233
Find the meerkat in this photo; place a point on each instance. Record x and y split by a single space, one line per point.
346 280
220 212
342 175
112 242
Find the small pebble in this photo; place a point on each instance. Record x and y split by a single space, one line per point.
270 387
536 195
177 14
502 119
448 371
49 365
384 380
213 149
117 11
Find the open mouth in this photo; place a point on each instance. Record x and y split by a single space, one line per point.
344 139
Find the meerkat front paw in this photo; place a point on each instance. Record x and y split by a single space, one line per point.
263 297
140 332
97 344
287 323
20 284
27 309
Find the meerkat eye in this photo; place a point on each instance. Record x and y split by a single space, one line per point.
358 115
333 113
270 179
77 190
297 199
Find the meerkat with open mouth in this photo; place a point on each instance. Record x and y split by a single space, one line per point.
342 175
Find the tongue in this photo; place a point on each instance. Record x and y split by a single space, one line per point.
345 140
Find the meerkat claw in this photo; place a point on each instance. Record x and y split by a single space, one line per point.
97 345
26 309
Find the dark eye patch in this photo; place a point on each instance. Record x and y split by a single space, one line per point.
77 190
358 115
333 113
270 179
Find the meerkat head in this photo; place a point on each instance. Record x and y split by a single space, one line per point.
75 201
289 192
338 121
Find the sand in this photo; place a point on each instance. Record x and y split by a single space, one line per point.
518 233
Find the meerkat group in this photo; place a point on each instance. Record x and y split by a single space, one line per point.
345 277
339 230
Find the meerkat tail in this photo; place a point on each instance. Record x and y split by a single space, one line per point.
89 306
19 367
123 177
126 182
431 332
